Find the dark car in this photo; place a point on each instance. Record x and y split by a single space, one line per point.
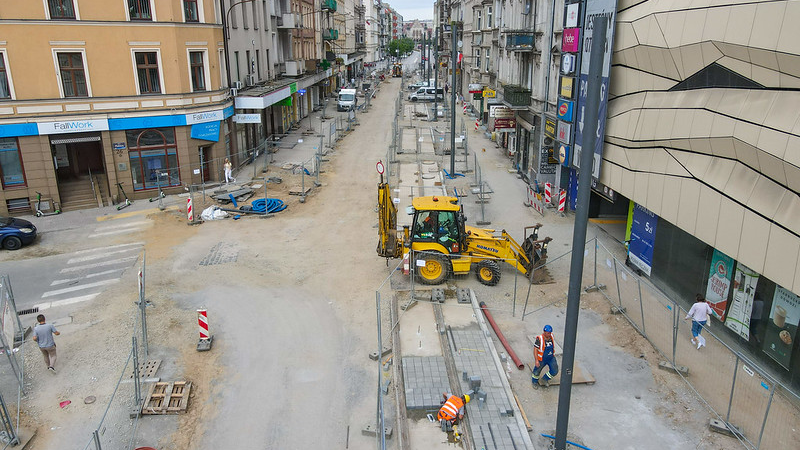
14 233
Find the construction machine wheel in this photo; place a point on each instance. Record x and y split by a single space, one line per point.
435 270
488 272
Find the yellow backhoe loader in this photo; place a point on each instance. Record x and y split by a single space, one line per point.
444 244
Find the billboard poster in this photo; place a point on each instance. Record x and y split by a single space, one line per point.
781 328
565 110
719 283
594 9
566 87
571 18
744 290
563 133
643 236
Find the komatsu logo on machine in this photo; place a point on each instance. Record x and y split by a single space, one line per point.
487 248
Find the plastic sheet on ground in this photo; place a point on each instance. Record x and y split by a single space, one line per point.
213 213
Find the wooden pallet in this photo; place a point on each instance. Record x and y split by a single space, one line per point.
167 398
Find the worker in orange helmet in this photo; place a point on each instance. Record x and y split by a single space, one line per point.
452 410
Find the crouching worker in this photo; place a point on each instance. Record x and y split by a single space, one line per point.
452 411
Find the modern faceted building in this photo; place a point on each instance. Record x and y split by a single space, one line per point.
703 130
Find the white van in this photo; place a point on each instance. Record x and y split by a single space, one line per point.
347 100
427 94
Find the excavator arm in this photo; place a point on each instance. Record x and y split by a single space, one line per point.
390 242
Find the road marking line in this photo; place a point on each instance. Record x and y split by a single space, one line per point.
101 264
91 275
122 225
97 249
100 256
80 287
135 213
109 233
66 301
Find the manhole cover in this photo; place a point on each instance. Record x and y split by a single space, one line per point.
428 176
89 400
428 163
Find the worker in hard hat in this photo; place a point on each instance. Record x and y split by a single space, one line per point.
544 355
452 410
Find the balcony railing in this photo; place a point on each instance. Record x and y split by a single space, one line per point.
330 34
516 96
328 5
520 42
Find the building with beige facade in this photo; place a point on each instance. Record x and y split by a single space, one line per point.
96 95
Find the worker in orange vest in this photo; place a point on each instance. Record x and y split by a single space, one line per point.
544 355
452 409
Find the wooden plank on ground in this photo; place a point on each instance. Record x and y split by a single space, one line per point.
167 398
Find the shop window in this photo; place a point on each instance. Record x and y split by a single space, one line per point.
147 72
5 90
190 10
139 10
153 158
198 71
13 174
61 9
73 77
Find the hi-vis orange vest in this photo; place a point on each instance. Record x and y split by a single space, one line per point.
539 347
450 409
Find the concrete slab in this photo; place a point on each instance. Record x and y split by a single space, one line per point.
418 334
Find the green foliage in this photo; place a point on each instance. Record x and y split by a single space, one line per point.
401 47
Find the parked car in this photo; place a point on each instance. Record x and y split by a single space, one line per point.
426 94
14 233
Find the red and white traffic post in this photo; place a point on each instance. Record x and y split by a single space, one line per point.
204 344
562 201
548 192
189 211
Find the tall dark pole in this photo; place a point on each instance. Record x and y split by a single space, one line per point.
225 41
436 76
453 56
428 64
595 80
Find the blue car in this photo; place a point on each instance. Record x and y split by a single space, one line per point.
14 233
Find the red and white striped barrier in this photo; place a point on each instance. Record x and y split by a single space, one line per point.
477 124
202 321
534 200
465 107
548 192
189 212
562 200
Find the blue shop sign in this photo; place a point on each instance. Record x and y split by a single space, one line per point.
643 237
207 131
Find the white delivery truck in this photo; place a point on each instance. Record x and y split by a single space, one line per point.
347 100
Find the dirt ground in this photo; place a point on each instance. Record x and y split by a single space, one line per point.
293 315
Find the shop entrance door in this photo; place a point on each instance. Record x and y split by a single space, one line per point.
205 161
80 170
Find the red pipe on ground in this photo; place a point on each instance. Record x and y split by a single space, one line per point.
500 336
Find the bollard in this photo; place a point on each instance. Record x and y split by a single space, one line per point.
204 344
189 212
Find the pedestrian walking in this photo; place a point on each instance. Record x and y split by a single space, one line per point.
544 355
43 335
699 313
446 88
228 171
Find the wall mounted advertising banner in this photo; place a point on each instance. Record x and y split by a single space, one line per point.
643 236
594 9
744 289
566 87
570 40
571 18
719 283
565 110
781 328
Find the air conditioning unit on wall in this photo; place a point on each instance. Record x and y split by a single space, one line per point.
237 85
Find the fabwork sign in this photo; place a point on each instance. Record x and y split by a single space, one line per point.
565 110
207 131
247 118
73 126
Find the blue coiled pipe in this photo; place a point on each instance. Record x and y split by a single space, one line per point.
270 205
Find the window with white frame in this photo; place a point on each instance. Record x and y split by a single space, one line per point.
140 10
478 19
489 23
488 52
5 84
190 11
73 75
61 9
197 70
147 72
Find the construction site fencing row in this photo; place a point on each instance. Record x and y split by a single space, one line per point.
117 427
756 407
12 375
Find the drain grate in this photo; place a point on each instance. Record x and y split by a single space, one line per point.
28 311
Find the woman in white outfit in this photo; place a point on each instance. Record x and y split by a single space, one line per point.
699 313
228 171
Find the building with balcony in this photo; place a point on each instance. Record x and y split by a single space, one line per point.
131 94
